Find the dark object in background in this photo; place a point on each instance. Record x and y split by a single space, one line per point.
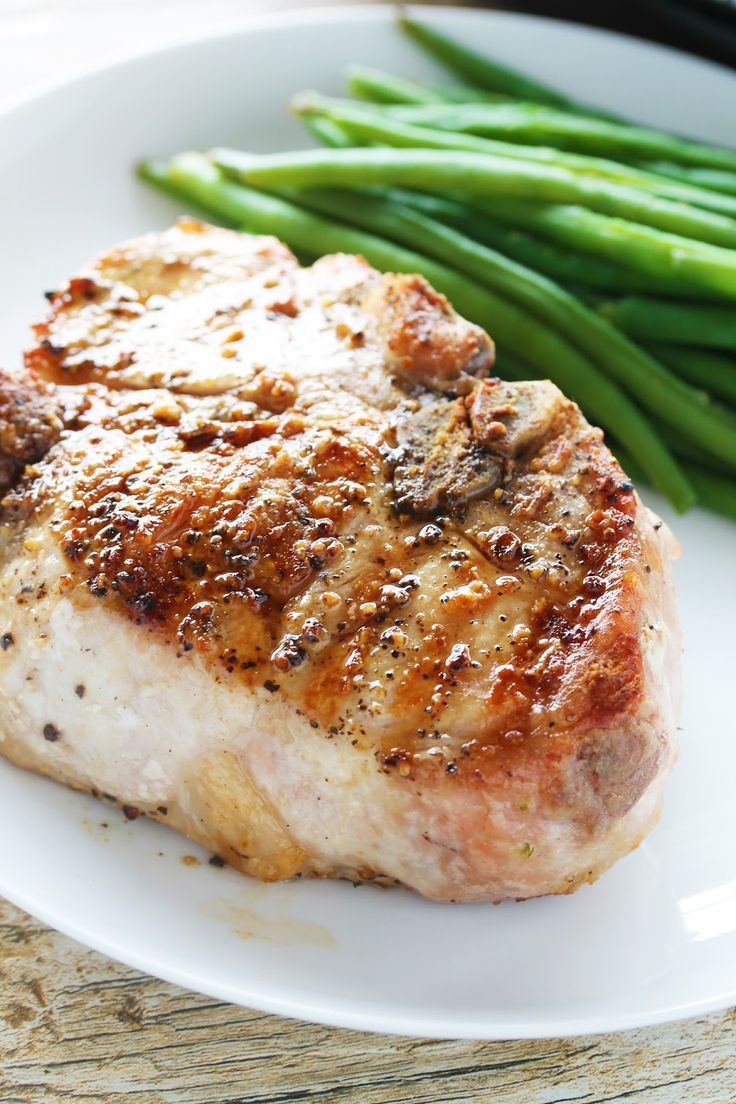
705 27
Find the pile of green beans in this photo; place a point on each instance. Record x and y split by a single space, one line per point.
598 253
478 174
372 124
537 125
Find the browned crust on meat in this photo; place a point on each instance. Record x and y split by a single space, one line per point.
424 343
29 422
230 524
441 466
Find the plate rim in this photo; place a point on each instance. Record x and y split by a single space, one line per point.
331 1010
323 13
334 1012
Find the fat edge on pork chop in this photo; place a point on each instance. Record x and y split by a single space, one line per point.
285 567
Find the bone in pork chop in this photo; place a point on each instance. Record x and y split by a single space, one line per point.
284 567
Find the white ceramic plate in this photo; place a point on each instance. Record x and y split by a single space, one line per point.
655 939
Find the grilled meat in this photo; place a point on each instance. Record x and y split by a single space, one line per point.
289 570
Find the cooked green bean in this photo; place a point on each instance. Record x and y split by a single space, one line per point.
689 450
658 390
568 267
510 365
604 400
677 323
536 124
159 173
474 174
715 492
642 248
479 70
327 132
564 265
686 449
660 258
373 124
378 87
436 207
711 371
717 180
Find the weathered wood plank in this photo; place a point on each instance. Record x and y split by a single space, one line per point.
77 1027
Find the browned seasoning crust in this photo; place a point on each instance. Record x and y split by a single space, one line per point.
303 479
29 423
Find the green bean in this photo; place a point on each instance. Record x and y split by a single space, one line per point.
677 323
378 87
494 123
474 174
535 124
193 176
659 264
436 207
689 450
660 258
716 180
564 265
690 453
605 402
568 267
464 93
157 172
326 132
715 492
642 248
479 70
373 124
658 390
510 365
713 372
384 88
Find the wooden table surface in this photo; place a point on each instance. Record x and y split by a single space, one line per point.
77 1027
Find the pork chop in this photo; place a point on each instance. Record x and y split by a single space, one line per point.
286 567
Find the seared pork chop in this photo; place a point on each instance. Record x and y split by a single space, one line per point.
285 567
